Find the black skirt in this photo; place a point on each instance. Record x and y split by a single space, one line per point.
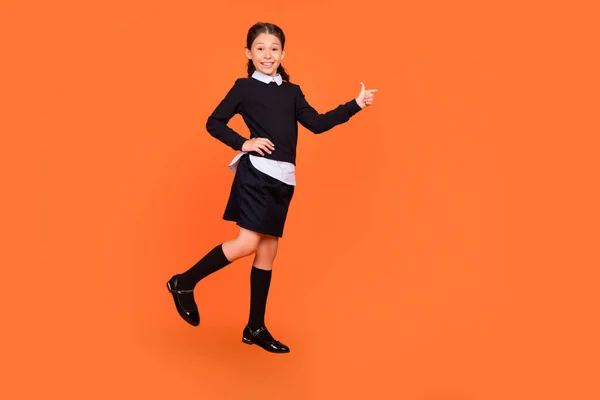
257 201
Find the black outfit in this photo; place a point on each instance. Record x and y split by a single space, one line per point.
272 112
257 201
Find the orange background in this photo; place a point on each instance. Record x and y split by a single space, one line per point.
443 244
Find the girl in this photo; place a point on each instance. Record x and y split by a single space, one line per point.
264 180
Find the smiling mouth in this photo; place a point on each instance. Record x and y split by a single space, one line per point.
267 64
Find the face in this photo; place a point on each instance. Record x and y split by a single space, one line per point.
266 53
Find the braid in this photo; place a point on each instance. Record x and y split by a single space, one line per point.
284 75
251 68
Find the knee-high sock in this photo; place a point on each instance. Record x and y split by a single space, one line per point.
260 281
213 261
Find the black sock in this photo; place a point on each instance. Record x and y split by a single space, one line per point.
260 280
213 261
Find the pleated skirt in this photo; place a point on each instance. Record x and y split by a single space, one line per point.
257 201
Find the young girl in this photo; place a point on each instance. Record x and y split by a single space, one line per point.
264 179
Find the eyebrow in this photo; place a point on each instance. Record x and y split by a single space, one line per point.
274 44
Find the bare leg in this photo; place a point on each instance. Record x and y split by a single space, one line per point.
243 245
266 252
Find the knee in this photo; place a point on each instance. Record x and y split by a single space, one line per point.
247 246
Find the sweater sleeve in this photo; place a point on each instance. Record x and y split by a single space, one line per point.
216 124
319 123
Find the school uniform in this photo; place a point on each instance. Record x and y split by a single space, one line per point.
263 185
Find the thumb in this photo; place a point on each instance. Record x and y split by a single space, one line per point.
362 90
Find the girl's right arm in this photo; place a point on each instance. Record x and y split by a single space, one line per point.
216 124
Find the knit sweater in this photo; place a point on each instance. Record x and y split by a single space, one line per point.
273 112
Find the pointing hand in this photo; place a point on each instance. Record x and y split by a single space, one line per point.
365 97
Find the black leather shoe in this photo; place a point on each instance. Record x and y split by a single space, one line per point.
192 316
261 337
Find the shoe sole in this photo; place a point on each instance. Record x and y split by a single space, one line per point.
249 342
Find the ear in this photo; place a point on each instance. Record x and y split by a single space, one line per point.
248 54
282 54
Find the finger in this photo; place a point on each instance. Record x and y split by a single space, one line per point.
267 142
265 148
363 87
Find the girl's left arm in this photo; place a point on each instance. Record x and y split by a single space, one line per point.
316 122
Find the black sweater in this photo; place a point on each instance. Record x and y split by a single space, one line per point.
272 112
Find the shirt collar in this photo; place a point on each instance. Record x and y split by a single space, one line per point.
267 78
